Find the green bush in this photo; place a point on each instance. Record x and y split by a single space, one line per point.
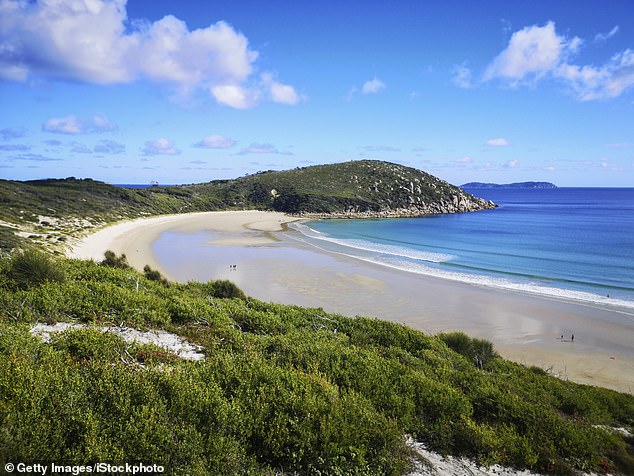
34 268
226 289
153 274
114 261
479 351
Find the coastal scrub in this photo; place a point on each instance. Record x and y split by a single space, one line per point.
280 388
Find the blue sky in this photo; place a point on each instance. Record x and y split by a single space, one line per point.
187 92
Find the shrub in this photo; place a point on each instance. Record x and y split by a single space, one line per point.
87 344
33 268
153 274
479 351
114 261
226 289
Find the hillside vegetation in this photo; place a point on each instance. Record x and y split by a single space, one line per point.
282 389
48 211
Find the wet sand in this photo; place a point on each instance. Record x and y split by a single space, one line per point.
273 265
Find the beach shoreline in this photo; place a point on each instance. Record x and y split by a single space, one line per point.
273 264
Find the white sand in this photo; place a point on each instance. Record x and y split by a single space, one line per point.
134 237
167 340
273 267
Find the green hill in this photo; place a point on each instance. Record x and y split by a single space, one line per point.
362 188
45 212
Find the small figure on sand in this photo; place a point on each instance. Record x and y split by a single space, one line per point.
572 338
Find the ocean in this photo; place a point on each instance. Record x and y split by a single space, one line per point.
571 243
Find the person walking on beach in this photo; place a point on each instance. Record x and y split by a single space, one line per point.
572 339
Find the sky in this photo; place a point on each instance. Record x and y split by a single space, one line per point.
186 92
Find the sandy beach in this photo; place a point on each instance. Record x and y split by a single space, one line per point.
273 264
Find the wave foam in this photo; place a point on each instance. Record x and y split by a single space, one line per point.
391 257
383 249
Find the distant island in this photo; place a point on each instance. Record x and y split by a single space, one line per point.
473 185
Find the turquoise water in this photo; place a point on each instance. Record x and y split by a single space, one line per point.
575 243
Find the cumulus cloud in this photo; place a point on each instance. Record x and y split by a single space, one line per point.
537 52
160 146
373 86
532 52
235 96
93 41
62 125
511 164
500 142
215 141
279 92
607 81
72 125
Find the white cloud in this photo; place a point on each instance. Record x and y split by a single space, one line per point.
234 96
601 37
532 51
284 94
279 92
536 52
462 77
511 164
500 142
215 141
608 81
72 125
93 41
373 86
160 146
62 125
